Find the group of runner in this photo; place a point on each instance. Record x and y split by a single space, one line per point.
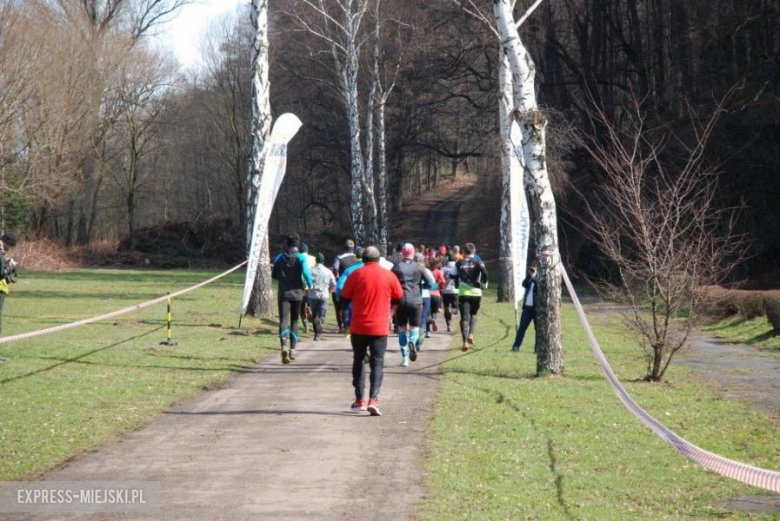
373 295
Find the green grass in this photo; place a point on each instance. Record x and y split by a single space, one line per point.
507 445
68 392
755 332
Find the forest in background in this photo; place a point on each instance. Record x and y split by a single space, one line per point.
102 135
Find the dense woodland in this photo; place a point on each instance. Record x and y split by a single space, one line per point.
101 133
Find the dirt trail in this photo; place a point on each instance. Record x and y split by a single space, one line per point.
279 442
436 216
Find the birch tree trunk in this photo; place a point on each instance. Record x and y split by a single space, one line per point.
368 179
260 301
345 42
549 357
353 114
505 108
381 144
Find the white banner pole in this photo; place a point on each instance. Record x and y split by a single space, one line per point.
285 128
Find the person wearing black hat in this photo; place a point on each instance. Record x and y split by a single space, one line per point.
7 267
323 284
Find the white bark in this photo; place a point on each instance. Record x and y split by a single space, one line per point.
260 302
382 94
381 140
357 171
342 33
533 125
506 288
369 192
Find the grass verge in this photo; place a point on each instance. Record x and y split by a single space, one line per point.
756 332
66 393
507 445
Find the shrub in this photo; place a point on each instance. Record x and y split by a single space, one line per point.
750 305
772 310
722 303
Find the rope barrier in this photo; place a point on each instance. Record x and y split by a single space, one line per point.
142 305
757 477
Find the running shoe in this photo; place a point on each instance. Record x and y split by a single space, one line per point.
285 356
359 405
292 354
470 340
373 407
412 352
404 362
427 334
465 347
433 327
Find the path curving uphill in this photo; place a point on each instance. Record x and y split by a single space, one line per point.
437 216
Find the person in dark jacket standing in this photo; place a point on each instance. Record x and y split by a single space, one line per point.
370 290
471 277
7 242
529 308
291 271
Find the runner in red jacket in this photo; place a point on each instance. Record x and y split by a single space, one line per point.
371 290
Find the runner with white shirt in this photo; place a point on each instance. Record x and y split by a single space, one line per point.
323 284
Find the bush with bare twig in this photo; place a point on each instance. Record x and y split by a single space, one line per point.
656 221
772 310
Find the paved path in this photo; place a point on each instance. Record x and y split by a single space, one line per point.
279 442
737 371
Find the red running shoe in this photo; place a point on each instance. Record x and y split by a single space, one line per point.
373 407
359 405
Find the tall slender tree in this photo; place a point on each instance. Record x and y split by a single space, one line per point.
340 26
260 301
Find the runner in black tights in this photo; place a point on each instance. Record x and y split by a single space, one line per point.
291 271
471 278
